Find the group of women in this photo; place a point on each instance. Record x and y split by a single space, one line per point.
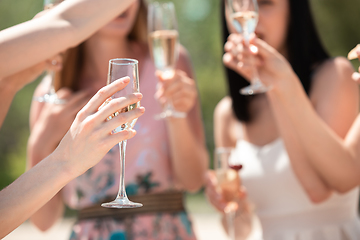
299 142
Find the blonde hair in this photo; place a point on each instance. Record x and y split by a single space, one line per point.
73 57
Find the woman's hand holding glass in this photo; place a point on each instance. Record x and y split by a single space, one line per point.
91 136
274 70
217 197
215 194
179 89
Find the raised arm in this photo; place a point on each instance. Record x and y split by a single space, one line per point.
70 23
337 163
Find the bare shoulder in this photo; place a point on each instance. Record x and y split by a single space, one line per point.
333 75
335 70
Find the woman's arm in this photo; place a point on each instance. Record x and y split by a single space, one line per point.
87 141
186 135
56 119
271 70
68 24
39 39
324 147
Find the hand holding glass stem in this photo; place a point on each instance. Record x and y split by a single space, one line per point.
244 15
164 47
120 68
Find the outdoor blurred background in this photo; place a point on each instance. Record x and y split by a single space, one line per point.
199 27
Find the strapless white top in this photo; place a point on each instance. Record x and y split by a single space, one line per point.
284 209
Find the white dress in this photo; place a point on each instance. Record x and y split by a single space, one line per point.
284 210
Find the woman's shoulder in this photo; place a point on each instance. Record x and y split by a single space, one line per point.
333 74
336 69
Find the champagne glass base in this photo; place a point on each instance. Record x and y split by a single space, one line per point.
121 203
169 113
255 88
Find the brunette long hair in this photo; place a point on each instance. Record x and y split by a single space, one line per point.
305 52
73 57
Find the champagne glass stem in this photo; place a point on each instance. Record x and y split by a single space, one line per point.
254 73
52 87
171 112
122 192
256 85
230 217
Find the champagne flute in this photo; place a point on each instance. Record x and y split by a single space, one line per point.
164 46
119 68
244 16
229 183
51 96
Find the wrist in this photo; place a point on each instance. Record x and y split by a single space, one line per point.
40 145
285 89
66 169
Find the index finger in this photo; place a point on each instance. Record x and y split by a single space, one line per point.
264 49
104 93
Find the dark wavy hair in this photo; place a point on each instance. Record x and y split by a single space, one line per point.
305 52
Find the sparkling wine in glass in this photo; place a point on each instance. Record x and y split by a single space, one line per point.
244 16
229 183
164 46
119 68
51 96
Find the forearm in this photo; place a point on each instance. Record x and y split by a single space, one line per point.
188 154
308 176
325 149
30 191
64 26
47 215
7 93
38 150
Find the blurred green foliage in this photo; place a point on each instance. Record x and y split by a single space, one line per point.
199 25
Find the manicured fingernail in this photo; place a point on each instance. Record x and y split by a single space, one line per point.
138 95
356 76
142 109
125 79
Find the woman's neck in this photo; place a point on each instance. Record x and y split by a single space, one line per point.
97 53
